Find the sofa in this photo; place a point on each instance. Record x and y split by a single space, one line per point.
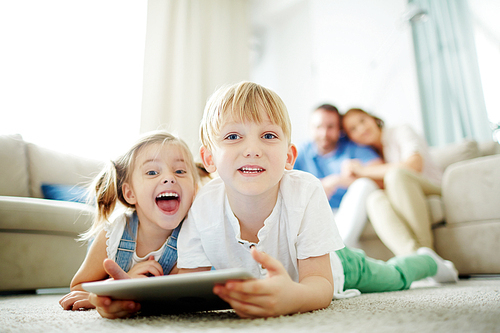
466 217
37 231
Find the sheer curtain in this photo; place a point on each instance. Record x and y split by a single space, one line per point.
192 48
451 94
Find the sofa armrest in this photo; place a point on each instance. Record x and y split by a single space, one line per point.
37 242
471 189
32 215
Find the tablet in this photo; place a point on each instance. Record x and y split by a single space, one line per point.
175 293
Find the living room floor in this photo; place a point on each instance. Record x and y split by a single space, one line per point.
471 305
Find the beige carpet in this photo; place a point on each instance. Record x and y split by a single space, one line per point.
469 306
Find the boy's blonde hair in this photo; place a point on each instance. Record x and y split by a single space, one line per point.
244 102
106 189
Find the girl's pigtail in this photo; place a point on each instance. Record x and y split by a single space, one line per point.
104 195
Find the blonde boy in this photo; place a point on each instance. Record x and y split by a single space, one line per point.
260 214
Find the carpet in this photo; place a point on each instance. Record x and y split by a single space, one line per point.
471 305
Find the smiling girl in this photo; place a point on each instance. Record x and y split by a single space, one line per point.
156 181
399 213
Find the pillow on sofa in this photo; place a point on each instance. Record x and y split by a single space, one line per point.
454 152
72 193
487 148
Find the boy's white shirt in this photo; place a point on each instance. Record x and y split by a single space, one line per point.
302 220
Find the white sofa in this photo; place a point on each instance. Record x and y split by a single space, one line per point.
467 216
37 235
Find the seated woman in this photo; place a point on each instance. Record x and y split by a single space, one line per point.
399 212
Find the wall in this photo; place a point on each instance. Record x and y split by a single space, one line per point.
71 73
351 53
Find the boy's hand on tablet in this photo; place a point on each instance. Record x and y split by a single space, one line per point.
269 297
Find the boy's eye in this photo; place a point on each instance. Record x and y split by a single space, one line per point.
269 136
152 173
232 137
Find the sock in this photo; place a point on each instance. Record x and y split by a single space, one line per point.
446 271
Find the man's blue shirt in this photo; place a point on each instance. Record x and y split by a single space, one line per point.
323 165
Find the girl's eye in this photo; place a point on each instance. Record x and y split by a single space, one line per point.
232 137
180 172
269 136
152 173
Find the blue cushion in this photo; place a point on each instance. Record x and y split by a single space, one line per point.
72 193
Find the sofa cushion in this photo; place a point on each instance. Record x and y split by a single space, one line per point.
13 166
488 148
456 152
47 166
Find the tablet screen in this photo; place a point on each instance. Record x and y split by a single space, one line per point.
171 293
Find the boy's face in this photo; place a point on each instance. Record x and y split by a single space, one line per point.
250 157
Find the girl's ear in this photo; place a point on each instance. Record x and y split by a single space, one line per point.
207 159
128 194
291 156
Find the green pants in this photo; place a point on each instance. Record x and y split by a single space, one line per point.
369 275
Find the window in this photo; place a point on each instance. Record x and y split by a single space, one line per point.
487 36
71 73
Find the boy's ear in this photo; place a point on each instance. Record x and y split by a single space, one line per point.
128 194
291 156
207 159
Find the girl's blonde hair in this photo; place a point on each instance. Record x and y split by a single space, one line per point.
106 189
243 101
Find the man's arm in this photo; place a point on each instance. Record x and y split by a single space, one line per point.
335 181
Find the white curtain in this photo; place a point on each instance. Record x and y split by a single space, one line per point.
192 48
452 98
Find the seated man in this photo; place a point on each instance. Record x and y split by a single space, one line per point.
324 157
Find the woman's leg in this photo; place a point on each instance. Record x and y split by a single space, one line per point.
370 275
407 192
351 216
390 228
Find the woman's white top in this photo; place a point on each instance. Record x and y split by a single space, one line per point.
401 142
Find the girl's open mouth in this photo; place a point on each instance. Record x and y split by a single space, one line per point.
168 202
